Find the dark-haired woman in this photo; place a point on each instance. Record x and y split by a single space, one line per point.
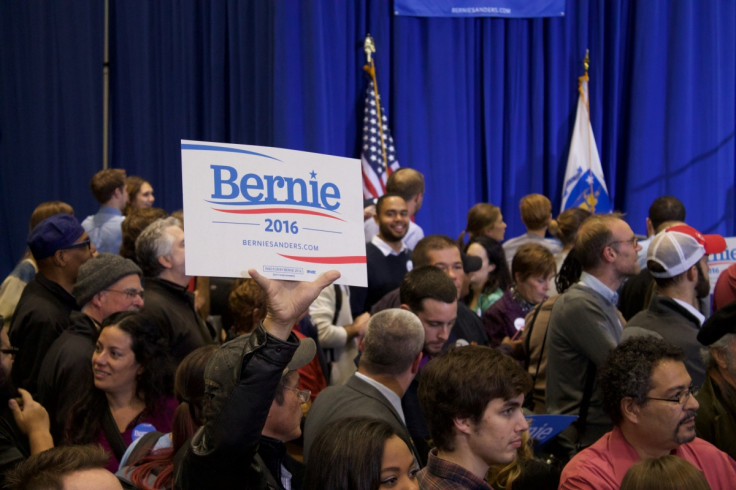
360 454
132 386
488 283
565 228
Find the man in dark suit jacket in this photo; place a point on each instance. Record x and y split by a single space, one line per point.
391 352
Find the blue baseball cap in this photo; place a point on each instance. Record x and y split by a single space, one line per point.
54 233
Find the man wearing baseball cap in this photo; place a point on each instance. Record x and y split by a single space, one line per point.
716 419
254 403
106 284
60 246
678 260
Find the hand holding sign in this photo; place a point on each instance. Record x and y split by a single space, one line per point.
287 300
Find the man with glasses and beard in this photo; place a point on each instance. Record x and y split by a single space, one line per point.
678 260
649 395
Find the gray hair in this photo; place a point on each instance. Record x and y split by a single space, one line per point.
155 242
393 339
720 345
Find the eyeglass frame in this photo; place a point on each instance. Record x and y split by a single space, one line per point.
634 241
302 395
129 293
680 398
10 351
85 243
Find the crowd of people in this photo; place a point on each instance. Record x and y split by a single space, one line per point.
118 370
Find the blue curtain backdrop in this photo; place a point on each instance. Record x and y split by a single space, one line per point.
51 60
483 107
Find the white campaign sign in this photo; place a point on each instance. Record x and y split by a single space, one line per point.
289 214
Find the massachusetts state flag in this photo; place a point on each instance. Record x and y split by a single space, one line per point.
584 185
378 156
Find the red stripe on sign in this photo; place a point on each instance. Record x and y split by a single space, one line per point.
277 211
347 259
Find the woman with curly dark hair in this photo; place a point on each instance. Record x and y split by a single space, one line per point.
132 386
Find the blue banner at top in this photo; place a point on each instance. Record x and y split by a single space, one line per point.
480 8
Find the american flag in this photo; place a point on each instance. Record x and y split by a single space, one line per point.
372 157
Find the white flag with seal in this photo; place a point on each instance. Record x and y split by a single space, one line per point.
584 184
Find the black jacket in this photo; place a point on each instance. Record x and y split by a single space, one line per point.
672 322
225 453
172 306
42 314
66 372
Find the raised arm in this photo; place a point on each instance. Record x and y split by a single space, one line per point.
287 300
241 380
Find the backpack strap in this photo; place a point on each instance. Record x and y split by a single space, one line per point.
548 303
528 335
529 398
329 354
270 479
582 421
338 303
112 434
144 446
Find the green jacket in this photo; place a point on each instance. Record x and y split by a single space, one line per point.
714 422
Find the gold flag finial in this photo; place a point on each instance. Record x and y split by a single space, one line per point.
369 47
586 61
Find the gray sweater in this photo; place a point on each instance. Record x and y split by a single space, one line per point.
584 327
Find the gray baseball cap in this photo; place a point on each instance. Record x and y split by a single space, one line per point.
223 369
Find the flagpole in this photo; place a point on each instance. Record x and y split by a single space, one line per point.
586 99
370 47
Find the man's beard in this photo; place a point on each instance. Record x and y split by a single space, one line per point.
688 419
388 234
702 287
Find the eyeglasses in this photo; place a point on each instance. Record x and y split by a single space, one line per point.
84 244
633 241
680 397
302 395
10 351
129 293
